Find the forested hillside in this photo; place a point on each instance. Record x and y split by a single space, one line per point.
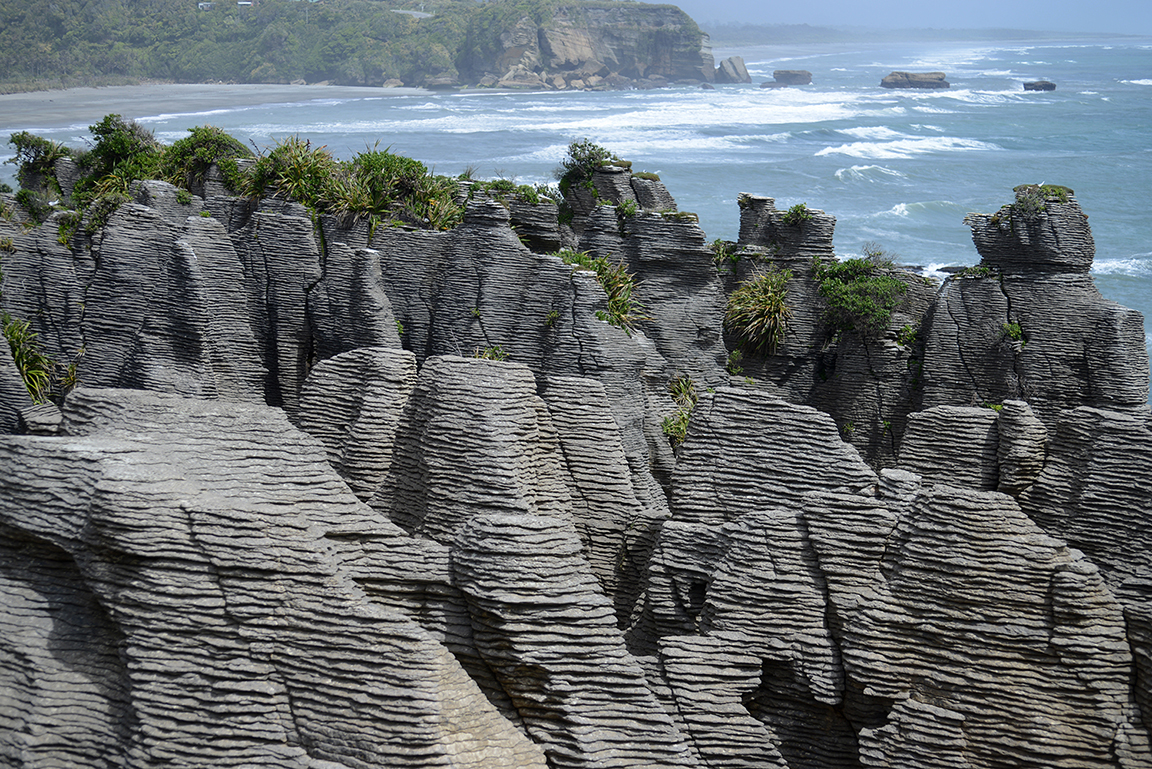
66 43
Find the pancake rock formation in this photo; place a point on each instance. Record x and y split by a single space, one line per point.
328 495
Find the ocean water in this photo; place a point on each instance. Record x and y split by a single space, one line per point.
896 168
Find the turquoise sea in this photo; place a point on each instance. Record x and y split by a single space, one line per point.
900 169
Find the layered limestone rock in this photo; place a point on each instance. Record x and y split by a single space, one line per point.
676 285
151 300
352 403
549 634
170 596
538 580
736 435
929 80
891 625
1029 323
954 446
865 379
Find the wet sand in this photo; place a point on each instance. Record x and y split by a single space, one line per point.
84 106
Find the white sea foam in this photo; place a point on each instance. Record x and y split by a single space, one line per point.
1139 265
907 148
872 132
870 173
1137 82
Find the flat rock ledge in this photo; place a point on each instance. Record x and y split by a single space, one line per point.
928 80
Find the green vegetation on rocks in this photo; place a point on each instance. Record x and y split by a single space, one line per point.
624 311
859 294
684 395
757 312
379 185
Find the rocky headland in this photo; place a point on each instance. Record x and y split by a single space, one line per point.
299 513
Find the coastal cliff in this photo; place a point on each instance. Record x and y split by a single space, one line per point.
331 494
588 46
536 44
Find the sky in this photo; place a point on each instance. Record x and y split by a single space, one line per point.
1118 16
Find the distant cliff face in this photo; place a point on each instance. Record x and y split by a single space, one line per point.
587 45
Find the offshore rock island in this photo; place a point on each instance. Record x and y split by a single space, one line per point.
333 493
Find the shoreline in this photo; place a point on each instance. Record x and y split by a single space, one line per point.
88 104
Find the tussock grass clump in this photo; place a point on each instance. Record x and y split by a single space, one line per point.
624 310
377 184
684 395
757 312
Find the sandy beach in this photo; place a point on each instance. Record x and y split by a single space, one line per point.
84 106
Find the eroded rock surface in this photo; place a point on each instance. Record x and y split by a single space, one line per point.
538 578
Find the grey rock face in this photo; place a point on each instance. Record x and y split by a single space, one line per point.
14 398
348 307
954 446
1039 330
792 76
930 80
194 581
184 540
651 194
1040 85
732 70
676 284
352 404
145 302
1022 447
725 449
550 636
831 630
1039 232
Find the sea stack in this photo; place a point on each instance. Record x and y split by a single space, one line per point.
928 80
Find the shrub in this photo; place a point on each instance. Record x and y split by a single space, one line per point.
376 184
908 335
35 204
724 253
977 271
123 152
68 224
797 215
757 312
646 175
624 311
36 156
584 157
491 353
859 295
732 364
293 170
186 163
